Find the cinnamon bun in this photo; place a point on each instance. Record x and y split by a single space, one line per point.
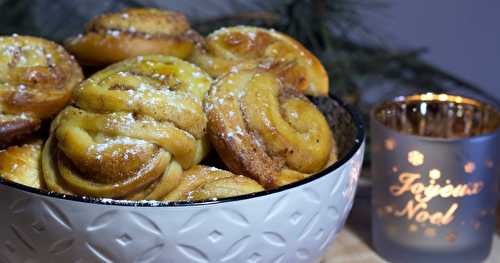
113 37
134 128
21 164
265 129
36 81
205 183
293 63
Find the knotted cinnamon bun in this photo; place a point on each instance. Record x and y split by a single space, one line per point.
293 64
113 37
265 129
204 183
135 127
36 80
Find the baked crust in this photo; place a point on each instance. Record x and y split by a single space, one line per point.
293 63
134 127
37 78
263 129
21 164
206 183
113 37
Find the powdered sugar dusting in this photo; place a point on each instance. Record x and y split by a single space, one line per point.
251 35
108 143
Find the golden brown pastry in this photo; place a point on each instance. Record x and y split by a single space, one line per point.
21 164
36 80
204 183
113 37
295 65
288 176
133 130
265 129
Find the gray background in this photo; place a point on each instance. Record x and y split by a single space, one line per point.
462 36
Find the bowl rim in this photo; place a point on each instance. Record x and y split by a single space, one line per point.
359 140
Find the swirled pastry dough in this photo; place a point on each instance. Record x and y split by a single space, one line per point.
205 183
133 130
36 80
267 130
293 64
21 164
113 37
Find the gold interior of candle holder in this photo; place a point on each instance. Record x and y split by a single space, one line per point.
438 115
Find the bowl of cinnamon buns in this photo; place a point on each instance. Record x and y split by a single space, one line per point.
177 148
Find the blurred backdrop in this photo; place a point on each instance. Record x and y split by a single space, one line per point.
461 36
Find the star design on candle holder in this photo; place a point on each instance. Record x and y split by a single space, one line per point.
476 225
390 144
395 169
430 232
416 158
413 228
469 167
451 237
435 174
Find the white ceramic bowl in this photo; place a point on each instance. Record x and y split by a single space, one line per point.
294 223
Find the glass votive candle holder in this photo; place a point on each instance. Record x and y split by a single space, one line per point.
434 167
